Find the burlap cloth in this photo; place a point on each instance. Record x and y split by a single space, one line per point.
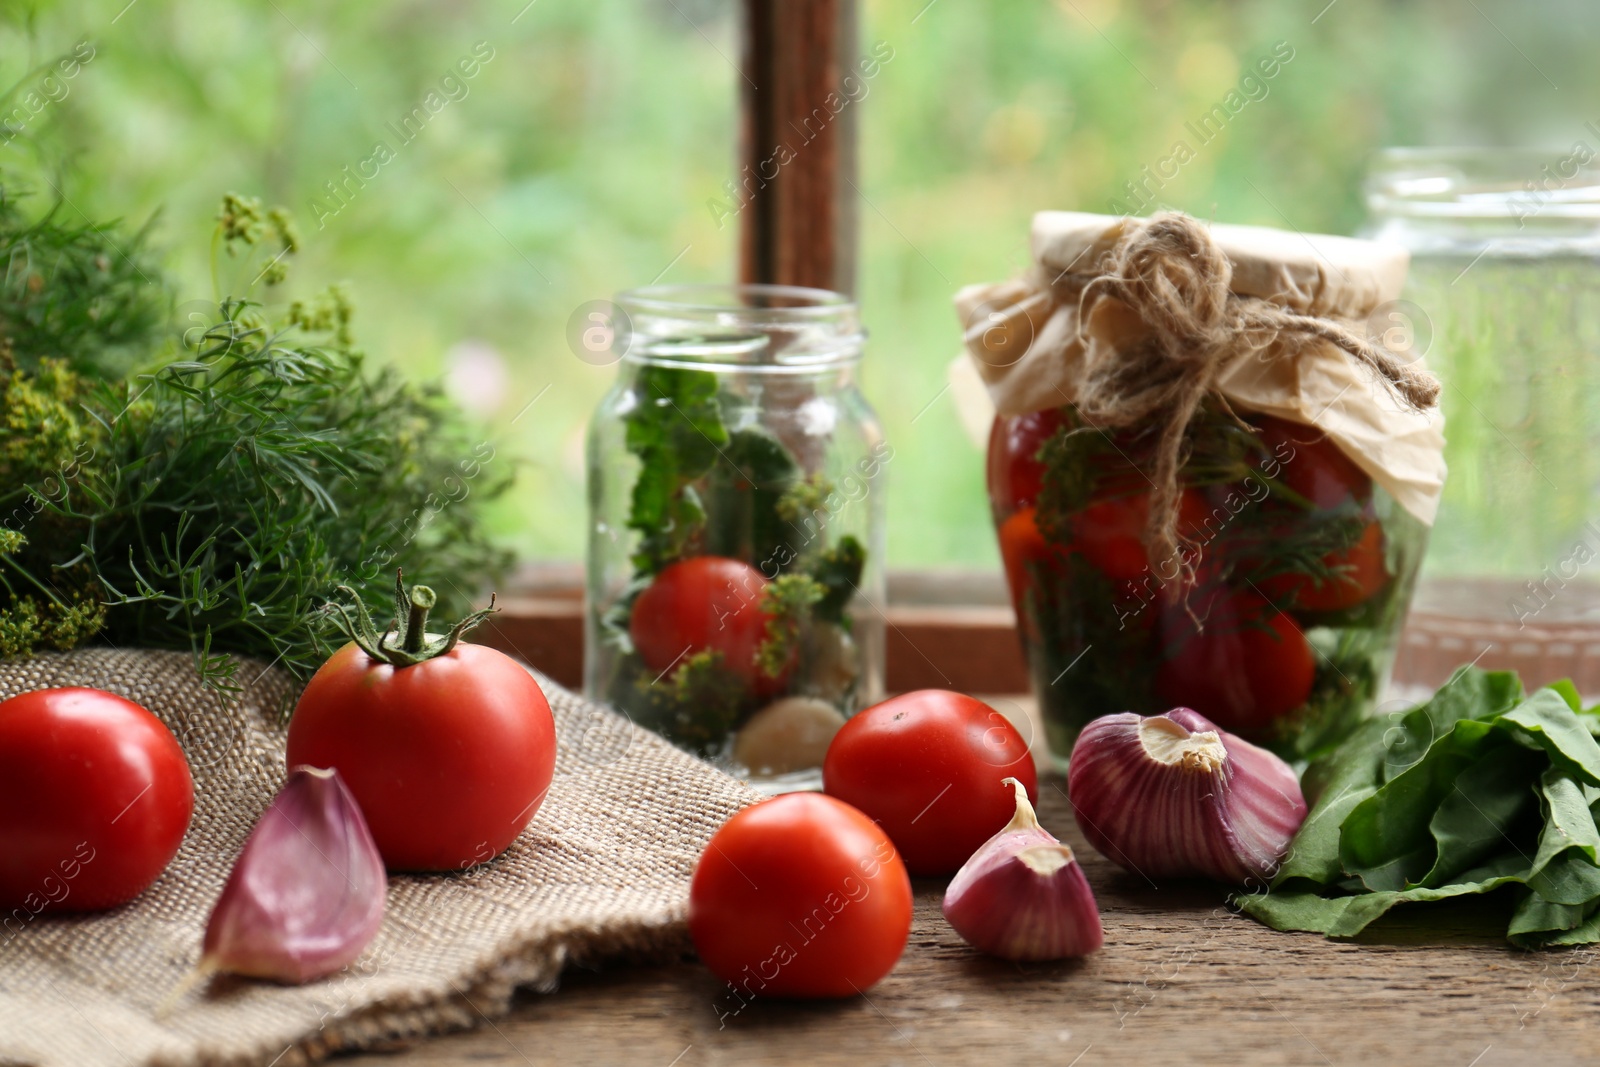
601 873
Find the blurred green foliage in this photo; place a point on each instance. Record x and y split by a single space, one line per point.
580 154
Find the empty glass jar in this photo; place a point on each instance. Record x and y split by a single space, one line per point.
1504 299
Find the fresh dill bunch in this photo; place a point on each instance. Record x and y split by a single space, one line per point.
91 294
273 466
213 504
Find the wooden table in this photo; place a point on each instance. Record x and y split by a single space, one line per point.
1180 980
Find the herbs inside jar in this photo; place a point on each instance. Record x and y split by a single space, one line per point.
1302 569
735 490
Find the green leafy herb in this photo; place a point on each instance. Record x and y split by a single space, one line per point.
696 706
838 571
788 601
91 294
742 499
676 431
806 499
250 481
1477 790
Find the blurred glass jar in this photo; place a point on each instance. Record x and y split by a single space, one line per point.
1504 300
735 477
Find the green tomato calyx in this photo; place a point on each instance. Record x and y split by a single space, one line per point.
406 642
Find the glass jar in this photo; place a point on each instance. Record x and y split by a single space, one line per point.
735 566
1504 298
1302 570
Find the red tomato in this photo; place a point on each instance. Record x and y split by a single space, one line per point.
1014 471
1311 464
1246 666
1110 533
449 758
1021 543
927 767
799 896
1362 573
95 796
707 602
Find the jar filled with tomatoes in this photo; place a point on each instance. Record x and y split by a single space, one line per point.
1211 488
736 533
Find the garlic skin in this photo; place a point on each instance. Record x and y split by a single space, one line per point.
1174 796
306 894
1022 895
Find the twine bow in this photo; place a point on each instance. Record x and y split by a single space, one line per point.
1174 277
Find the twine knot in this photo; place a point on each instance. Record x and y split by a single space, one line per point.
1174 277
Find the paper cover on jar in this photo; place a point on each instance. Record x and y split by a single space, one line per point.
1034 339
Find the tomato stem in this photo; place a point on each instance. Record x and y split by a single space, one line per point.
406 641
422 602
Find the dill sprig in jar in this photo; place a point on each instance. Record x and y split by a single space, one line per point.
735 576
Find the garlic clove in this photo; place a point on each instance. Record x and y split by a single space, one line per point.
833 663
306 894
1174 796
1022 895
791 734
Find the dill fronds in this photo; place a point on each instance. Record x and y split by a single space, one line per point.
90 294
213 504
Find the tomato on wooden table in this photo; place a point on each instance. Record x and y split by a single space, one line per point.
701 603
799 896
929 768
1245 666
95 796
449 756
